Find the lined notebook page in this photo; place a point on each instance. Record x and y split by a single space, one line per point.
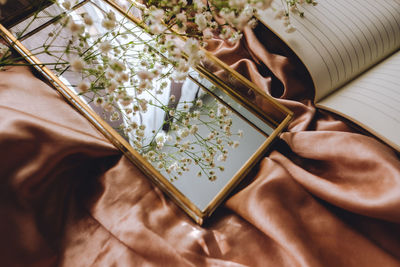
337 40
372 100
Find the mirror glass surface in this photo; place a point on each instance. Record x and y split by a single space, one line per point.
192 131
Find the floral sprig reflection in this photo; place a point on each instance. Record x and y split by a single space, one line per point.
114 64
127 70
199 135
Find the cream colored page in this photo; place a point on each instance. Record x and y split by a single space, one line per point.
339 39
373 100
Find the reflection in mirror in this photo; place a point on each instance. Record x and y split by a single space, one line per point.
199 137
219 147
255 100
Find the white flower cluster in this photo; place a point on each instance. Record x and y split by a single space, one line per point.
184 146
204 21
127 76
182 54
292 7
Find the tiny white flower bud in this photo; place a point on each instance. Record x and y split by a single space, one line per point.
77 64
84 86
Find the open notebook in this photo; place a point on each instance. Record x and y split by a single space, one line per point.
351 49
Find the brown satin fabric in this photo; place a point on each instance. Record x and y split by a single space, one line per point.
325 196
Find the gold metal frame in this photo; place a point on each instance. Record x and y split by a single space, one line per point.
115 138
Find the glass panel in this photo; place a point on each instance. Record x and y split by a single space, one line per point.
197 135
257 102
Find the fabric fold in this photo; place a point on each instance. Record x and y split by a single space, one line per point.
326 195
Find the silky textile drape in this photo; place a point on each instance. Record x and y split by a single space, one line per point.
326 195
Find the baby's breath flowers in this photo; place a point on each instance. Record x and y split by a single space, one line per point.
127 71
77 64
291 7
195 140
203 20
84 86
